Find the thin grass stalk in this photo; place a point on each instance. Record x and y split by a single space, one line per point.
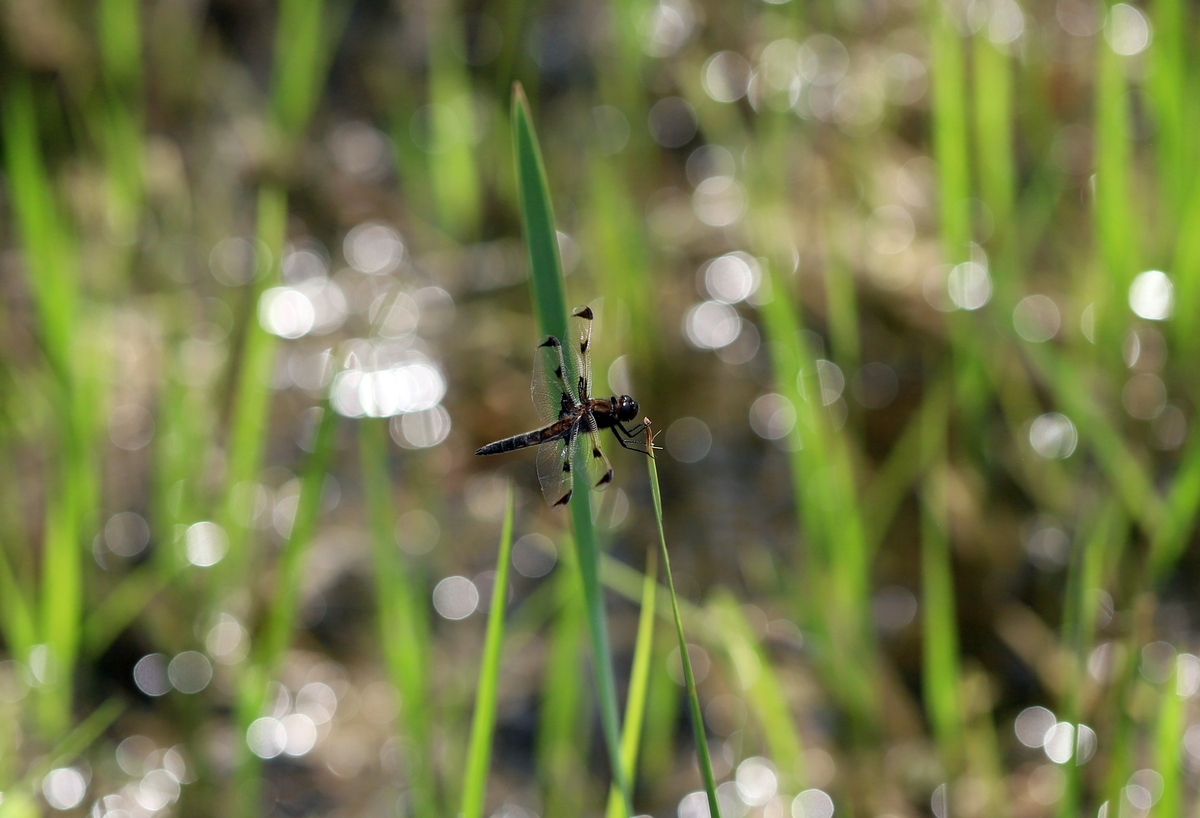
483 724
303 46
281 614
549 302
452 170
763 690
404 629
1116 459
836 570
1114 215
564 727
710 784
639 685
662 710
950 131
994 131
940 662
1179 513
1167 744
51 262
252 395
1167 84
1084 579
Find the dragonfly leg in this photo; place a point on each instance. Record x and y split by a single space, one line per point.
630 442
638 431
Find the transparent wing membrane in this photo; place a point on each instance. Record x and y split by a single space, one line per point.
581 349
588 451
549 382
554 471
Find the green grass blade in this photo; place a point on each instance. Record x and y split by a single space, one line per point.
16 614
252 396
403 626
994 130
483 724
710 784
563 729
1114 214
277 630
950 130
639 684
940 676
537 219
837 562
452 168
303 45
763 691
50 259
1179 512
550 309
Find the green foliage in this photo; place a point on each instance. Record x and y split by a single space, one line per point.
483 726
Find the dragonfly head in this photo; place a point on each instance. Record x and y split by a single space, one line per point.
627 408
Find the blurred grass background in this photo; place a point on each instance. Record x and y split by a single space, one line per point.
903 286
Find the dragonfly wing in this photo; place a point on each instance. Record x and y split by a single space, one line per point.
550 390
588 452
581 351
554 460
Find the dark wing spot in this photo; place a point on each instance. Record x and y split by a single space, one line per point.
584 312
583 346
596 453
606 479
566 498
550 341
567 466
558 372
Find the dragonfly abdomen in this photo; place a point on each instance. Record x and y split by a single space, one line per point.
524 441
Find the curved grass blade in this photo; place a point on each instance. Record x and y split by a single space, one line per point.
403 626
639 685
710 783
550 309
483 725
277 631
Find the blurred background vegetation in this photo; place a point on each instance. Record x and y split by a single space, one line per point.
903 286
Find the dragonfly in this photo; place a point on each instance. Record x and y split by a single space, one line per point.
571 418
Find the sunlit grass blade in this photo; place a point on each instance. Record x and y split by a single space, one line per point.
765 694
252 395
550 310
1179 513
1114 213
940 665
1171 722
16 614
994 130
1113 453
950 129
276 634
639 684
662 712
403 623
836 571
1167 84
483 724
48 247
1085 578
702 757
452 168
563 729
